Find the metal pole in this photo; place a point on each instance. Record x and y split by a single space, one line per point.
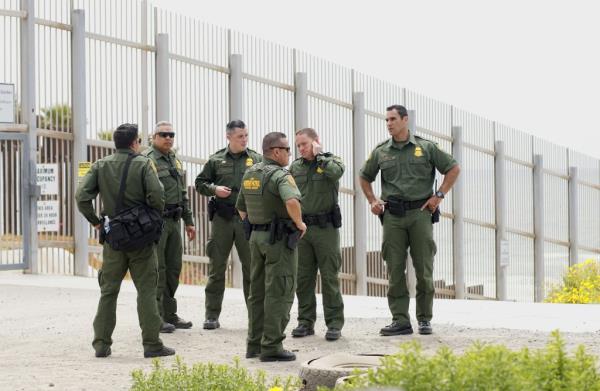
502 259
538 227
411 279
573 217
236 88
78 85
360 201
30 189
301 101
458 240
163 109
144 73
236 111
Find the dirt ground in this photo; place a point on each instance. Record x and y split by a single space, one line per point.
46 334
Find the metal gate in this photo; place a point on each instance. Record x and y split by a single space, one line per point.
13 201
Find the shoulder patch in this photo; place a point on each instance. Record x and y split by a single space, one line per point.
291 180
178 164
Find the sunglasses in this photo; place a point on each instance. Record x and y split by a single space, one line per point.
166 134
286 148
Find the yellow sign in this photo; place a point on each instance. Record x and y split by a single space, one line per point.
249 162
319 170
251 184
418 152
84 167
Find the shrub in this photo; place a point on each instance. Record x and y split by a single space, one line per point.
484 367
581 285
208 376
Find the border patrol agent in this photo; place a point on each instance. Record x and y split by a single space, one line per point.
407 209
317 175
142 186
220 179
170 248
269 204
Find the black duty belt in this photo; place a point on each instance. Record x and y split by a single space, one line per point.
317 219
399 207
261 227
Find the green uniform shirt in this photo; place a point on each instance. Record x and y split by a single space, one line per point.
265 189
175 186
407 171
104 177
225 169
318 181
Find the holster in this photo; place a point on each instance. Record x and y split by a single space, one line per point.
211 208
293 236
247 228
222 209
435 216
173 211
396 207
336 217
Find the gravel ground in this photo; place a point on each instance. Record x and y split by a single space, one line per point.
46 334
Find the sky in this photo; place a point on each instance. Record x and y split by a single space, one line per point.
530 64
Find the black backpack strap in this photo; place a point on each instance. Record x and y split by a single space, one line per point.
122 186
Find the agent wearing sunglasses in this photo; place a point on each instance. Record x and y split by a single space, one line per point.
170 247
220 179
270 200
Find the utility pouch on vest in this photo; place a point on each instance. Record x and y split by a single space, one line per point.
435 216
136 227
336 217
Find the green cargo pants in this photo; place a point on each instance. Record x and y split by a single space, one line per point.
169 252
224 233
319 249
414 230
272 287
142 266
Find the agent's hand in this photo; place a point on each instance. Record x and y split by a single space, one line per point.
432 203
377 207
302 228
316 147
98 227
191 232
222 191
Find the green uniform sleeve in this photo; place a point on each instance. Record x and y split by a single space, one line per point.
155 193
188 217
286 186
332 166
370 168
205 180
240 204
87 191
441 160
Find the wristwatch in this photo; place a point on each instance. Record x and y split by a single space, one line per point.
439 194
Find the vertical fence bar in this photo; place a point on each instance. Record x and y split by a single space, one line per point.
360 202
163 92
30 189
300 101
236 111
411 279
573 217
458 241
501 220
78 85
538 227
144 71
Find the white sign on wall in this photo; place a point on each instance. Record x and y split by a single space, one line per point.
7 103
47 178
48 214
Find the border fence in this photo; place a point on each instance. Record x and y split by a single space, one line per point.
522 211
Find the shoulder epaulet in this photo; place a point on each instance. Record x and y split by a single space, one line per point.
147 151
382 143
425 140
297 159
217 152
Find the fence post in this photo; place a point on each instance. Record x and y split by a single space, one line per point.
78 85
360 202
573 217
502 259
30 190
411 279
236 111
300 101
538 227
144 73
163 92
458 241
